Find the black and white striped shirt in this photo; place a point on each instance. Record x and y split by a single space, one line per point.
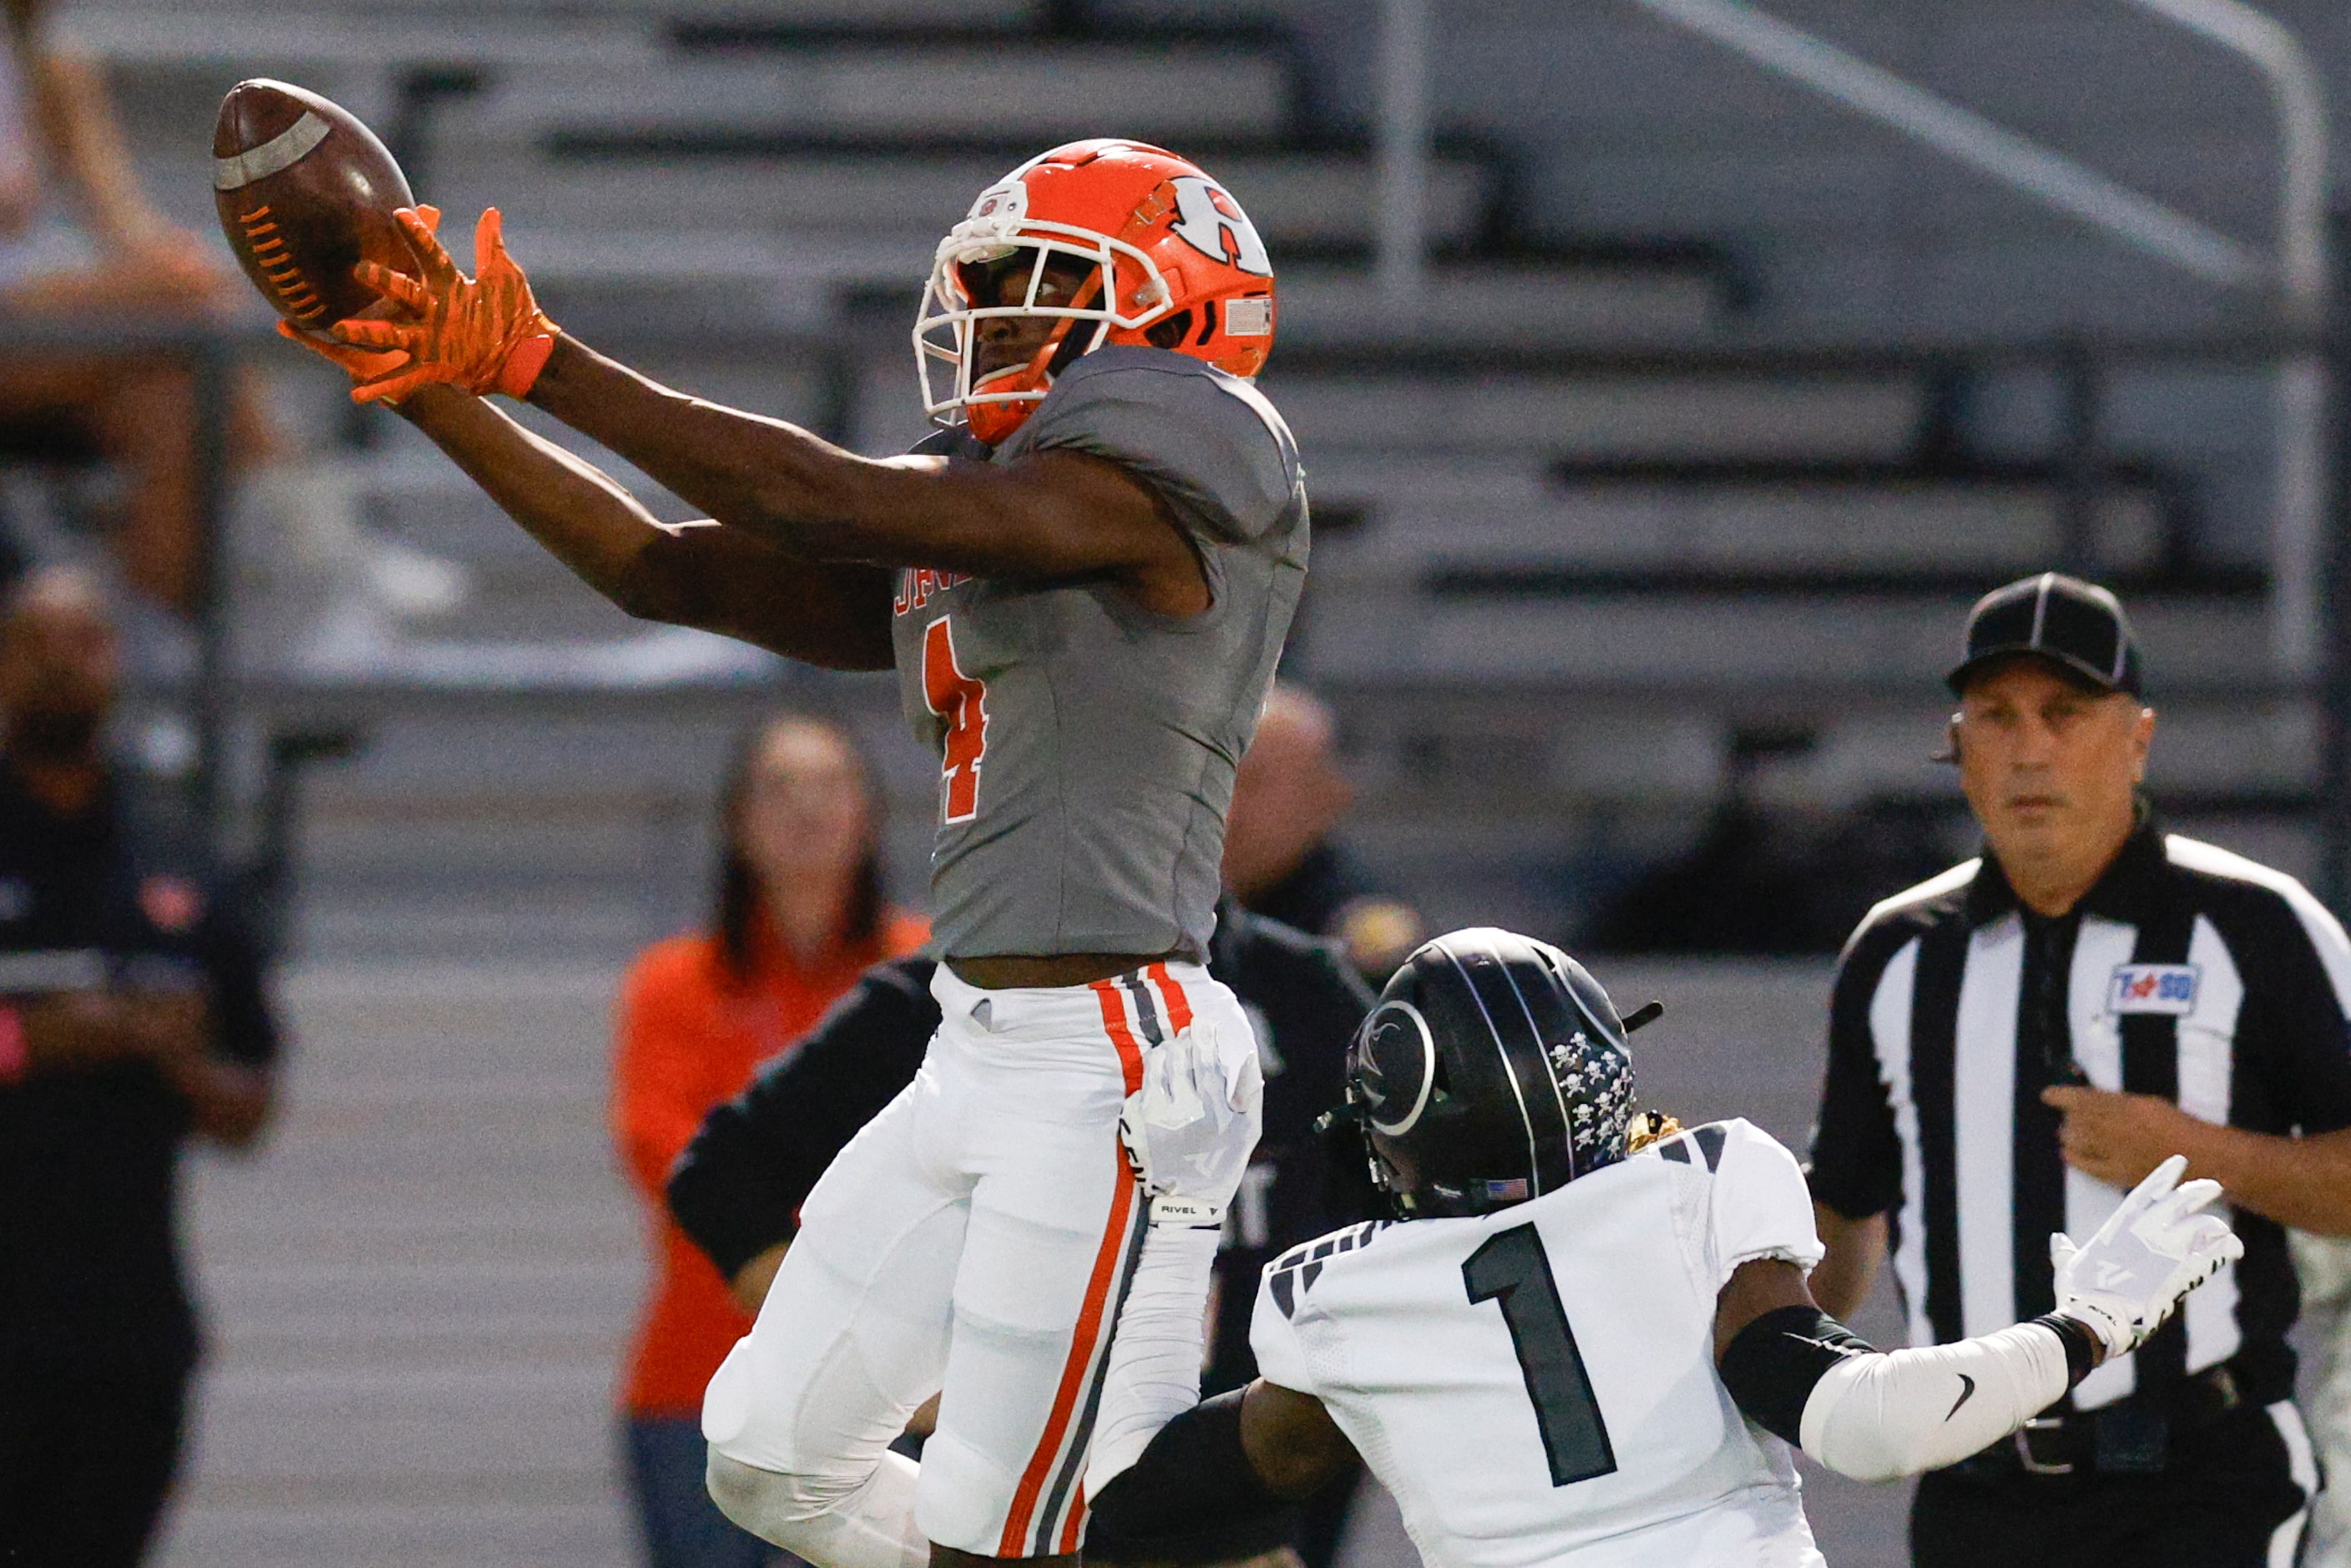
2187 972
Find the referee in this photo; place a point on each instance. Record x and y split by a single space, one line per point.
2014 1043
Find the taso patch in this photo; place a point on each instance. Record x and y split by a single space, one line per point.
2153 989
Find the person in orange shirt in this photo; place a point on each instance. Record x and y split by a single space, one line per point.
799 917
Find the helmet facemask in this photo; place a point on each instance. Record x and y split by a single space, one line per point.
1061 274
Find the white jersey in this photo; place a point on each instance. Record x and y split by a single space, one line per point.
1538 1385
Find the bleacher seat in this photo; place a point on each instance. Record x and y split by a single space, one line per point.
1462 518
1464 407
707 186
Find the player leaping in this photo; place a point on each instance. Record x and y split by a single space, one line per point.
1083 586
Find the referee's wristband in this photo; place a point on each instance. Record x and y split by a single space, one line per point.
2081 1343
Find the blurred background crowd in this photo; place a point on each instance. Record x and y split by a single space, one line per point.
1669 375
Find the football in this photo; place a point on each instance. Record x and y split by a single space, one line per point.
305 192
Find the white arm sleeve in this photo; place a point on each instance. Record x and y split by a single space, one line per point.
1896 1413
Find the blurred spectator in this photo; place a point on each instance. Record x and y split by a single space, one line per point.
132 1013
80 240
1774 871
799 917
1281 859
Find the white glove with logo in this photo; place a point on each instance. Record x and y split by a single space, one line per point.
1192 1125
2154 1249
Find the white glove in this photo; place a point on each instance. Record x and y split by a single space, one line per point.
2154 1249
1192 1125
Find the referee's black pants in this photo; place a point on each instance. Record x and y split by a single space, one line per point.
2228 1489
85 1466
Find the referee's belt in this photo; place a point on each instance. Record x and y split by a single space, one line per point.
2131 1436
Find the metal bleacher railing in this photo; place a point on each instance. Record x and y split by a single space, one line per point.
1435 632
1554 466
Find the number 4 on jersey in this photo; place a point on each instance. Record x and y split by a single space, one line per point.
961 704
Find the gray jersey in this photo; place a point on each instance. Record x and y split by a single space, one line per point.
1086 745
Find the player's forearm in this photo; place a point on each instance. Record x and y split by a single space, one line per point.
1058 514
1842 1280
1874 1415
773 480
2302 1182
697 575
586 518
68 1030
228 1103
1896 1413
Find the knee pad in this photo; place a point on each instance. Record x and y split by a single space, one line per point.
964 1494
762 1501
833 1521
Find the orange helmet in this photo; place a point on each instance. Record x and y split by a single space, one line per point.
1166 257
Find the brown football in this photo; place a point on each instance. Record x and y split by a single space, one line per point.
306 192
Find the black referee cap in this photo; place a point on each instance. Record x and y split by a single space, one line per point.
2052 616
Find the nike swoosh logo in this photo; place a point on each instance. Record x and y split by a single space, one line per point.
1965 1395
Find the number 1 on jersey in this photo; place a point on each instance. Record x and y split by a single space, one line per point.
1513 1267
962 702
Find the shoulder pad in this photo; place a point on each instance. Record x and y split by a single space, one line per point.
1698 1144
1294 1273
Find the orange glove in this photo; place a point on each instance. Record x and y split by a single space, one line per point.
484 334
359 364
363 365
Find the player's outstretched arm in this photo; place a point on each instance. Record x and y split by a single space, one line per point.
1238 1457
696 574
1055 514
1872 1415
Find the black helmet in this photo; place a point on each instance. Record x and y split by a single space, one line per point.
1493 1070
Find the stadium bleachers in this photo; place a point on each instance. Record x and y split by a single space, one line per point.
1603 502
745 199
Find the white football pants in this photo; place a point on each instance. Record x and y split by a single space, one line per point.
981 1240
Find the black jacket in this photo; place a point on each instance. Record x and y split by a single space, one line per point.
90 1272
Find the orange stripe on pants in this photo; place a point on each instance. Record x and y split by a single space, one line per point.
1178 1005
1069 1541
1082 1341
1113 1012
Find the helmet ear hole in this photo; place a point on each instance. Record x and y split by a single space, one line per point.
1170 331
